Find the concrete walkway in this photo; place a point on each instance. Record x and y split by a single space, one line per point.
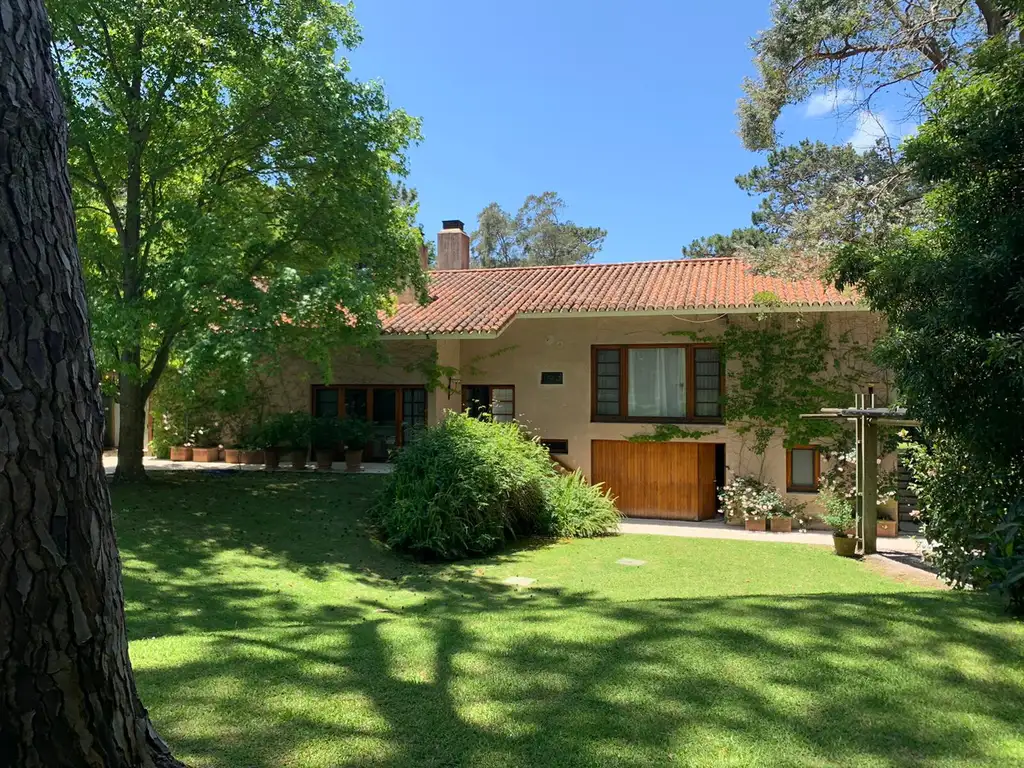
717 529
165 465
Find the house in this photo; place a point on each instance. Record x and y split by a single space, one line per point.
587 357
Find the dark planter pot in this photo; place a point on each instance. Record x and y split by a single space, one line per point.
354 460
756 525
324 458
782 524
271 458
298 459
232 456
250 457
886 528
181 453
206 455
846 546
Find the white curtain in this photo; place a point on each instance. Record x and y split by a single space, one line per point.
657 383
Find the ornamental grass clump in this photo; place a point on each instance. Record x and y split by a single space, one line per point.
466 486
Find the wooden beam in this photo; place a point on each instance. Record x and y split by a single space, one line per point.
869 491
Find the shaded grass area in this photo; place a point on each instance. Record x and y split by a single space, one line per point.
267 629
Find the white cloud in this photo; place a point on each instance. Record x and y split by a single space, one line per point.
870 128
827 102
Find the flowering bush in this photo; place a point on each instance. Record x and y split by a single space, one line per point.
840 477
750 499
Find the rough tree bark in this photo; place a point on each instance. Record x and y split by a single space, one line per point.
67 693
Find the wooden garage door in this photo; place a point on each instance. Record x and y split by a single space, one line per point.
671 481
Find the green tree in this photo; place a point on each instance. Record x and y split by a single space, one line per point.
535 236
815 196
737 243
952 294
227 172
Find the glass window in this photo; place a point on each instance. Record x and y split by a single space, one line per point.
325 402
657 382
803 469
503 403
414 407
609 381
356 402
707 382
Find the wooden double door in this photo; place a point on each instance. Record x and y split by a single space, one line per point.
393 412
668 481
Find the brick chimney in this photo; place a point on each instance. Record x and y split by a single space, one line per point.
452 245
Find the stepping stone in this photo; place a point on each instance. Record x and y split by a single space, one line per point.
630 561
518 581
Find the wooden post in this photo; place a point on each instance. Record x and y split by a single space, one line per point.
869 490
858 425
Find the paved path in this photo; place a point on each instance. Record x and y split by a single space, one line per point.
165 465
717 529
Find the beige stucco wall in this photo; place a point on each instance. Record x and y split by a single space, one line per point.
530 346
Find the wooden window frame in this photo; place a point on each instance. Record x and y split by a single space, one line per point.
691 386
816 469
490 395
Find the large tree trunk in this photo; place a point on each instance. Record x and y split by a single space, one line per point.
131 430
67 693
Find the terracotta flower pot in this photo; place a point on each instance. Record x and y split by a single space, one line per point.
782 524
887 528
324 458
354 460
756 525
250 457
232 456
181 453
271 458
846 546
206 454
298 459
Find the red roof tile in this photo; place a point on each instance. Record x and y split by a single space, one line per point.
484 301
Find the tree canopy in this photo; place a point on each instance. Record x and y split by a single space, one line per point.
535 236
952 291
227 170
815 196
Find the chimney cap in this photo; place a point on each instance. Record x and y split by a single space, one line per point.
452 224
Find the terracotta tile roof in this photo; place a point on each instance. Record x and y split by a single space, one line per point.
484 301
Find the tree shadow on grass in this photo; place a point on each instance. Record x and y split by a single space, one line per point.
572 680
470 672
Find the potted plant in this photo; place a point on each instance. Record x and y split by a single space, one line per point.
839 517
751 500
782 521
251 445
233 453
207 447
181 452
356 434
266 439
886 526
293 436
325 434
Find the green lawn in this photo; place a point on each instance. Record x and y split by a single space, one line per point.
268 630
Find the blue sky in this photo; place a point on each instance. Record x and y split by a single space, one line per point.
625 109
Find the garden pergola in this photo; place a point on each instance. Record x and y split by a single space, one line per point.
867 419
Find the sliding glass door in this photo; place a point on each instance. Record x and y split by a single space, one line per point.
393 412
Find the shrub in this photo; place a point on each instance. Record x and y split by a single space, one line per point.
326 431
972 511
575 509
356 433
466 486
750 499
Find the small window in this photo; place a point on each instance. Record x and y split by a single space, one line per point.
803 465
556 446
500 402
551 377
326 402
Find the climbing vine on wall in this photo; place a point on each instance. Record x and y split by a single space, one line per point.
778 366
